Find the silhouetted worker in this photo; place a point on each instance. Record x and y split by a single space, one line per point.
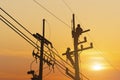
68 52
78 30
68 55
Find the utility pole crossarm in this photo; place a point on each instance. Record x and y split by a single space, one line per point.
71 53
85 31
39 37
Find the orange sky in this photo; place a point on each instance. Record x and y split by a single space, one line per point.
100 16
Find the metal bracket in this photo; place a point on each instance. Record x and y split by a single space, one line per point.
71 53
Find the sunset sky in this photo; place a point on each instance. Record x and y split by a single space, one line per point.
100 16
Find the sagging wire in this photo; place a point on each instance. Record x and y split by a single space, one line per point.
46 75
32 63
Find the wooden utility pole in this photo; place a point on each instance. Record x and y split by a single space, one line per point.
41 53
76 58
76 32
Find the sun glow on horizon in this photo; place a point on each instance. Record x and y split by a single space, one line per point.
97 67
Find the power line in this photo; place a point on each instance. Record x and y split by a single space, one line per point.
62 73
15 21
68 6
19 33
51 13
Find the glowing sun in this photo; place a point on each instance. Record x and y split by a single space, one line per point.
97 67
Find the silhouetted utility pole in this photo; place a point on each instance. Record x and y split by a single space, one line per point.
76 32
43 41
41 53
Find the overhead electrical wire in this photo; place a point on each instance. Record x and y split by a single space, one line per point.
68 6
15 21
62 73
18 31
51 13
